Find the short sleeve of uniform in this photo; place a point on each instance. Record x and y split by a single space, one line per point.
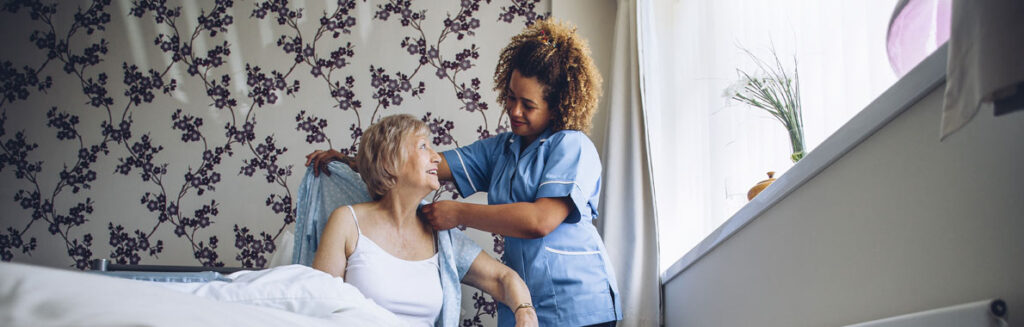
464 250
572 169
471 165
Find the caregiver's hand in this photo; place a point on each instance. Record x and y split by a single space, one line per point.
320 158
441 214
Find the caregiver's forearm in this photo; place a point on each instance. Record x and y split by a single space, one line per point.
521 219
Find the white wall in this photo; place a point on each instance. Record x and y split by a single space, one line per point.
901 223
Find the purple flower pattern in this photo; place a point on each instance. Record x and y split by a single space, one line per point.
186 205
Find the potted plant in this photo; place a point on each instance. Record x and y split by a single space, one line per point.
775 91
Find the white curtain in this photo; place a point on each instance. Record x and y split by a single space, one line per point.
706 150
627 212
985 66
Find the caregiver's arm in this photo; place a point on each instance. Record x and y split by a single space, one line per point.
444 172
504 285
521 219
320 158
335 245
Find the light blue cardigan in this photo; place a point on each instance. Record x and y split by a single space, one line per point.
319 196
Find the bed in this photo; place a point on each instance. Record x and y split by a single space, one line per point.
42 296
119 295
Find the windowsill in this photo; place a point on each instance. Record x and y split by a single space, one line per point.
917 83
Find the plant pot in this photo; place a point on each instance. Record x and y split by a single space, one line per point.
761 186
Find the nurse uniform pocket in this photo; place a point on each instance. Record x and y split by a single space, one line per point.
574 271
579 279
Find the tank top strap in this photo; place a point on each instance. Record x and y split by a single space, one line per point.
355 219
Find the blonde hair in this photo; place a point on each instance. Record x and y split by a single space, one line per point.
560 59
382 151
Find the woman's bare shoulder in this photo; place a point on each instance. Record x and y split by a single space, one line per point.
341 222
344 211
341 212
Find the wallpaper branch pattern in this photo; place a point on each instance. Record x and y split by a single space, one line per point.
16 86
178 181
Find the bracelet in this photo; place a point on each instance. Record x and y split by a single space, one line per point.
523 305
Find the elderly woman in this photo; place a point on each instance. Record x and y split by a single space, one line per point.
393 257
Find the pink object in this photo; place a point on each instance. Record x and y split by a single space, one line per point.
916 30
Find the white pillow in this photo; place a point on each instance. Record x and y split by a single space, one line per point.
285 246
294 288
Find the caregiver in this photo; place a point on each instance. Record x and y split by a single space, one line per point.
543 180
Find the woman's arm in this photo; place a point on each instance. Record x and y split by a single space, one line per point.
504 285
332 253
521 219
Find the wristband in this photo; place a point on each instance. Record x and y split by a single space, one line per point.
522 305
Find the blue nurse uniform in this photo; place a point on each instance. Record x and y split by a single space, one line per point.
568 272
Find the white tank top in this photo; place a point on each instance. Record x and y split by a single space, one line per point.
409 289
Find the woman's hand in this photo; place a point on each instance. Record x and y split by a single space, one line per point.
526 317
441 214
320 158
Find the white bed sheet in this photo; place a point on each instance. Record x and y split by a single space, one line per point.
41 296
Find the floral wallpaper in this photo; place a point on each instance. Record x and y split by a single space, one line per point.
156 131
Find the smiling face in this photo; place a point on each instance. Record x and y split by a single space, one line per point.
420 163
527 111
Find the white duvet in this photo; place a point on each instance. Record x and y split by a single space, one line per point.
284 296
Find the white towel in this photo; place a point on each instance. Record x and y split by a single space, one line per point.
986 58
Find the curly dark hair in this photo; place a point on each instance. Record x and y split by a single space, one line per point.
560 59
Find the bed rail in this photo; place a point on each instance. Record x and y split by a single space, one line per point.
106 265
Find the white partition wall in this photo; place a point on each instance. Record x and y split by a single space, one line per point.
899 224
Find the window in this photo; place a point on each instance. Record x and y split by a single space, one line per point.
707 150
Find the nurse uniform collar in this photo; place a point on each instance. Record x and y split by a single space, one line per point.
541 139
